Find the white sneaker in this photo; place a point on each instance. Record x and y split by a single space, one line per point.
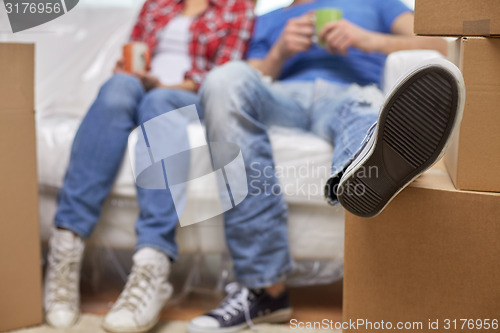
62 279
146 292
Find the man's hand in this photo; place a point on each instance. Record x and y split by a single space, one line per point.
148 81
296 37
341 35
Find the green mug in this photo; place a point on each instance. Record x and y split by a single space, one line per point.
323 16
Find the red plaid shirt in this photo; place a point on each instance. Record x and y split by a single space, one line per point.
218 35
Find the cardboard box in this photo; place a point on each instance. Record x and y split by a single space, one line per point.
433 254
457 17
20 269
473 158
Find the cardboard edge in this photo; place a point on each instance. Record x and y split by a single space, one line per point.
31 49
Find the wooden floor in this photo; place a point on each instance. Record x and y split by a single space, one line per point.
103 280
309 303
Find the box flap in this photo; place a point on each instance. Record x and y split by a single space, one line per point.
480 63
437 178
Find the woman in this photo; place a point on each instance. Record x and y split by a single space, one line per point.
187 38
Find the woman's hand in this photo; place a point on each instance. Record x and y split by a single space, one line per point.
119 67
148 81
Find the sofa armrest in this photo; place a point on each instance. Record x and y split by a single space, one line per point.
398 63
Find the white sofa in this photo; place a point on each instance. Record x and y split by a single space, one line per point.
74 56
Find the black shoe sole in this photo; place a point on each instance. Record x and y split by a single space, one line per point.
413 129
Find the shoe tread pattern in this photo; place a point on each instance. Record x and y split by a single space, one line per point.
415 125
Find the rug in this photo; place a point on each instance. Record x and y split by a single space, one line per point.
91 323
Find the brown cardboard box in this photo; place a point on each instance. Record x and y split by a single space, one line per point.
20 269
433 254
457 17
473 159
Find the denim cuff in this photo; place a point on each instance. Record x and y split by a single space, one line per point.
263 282
170 252
69 226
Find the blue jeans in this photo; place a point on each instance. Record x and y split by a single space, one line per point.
97 153
239 107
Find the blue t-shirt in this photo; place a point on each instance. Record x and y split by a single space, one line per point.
357 67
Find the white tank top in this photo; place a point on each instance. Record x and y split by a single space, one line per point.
171 59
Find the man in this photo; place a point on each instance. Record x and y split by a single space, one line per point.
330 92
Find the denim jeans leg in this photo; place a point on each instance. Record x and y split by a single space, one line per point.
344 120
157 221
97 153
239 107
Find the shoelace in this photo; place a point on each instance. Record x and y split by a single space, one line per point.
133 293
65 266
236 301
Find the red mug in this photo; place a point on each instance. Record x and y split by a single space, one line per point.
136 57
